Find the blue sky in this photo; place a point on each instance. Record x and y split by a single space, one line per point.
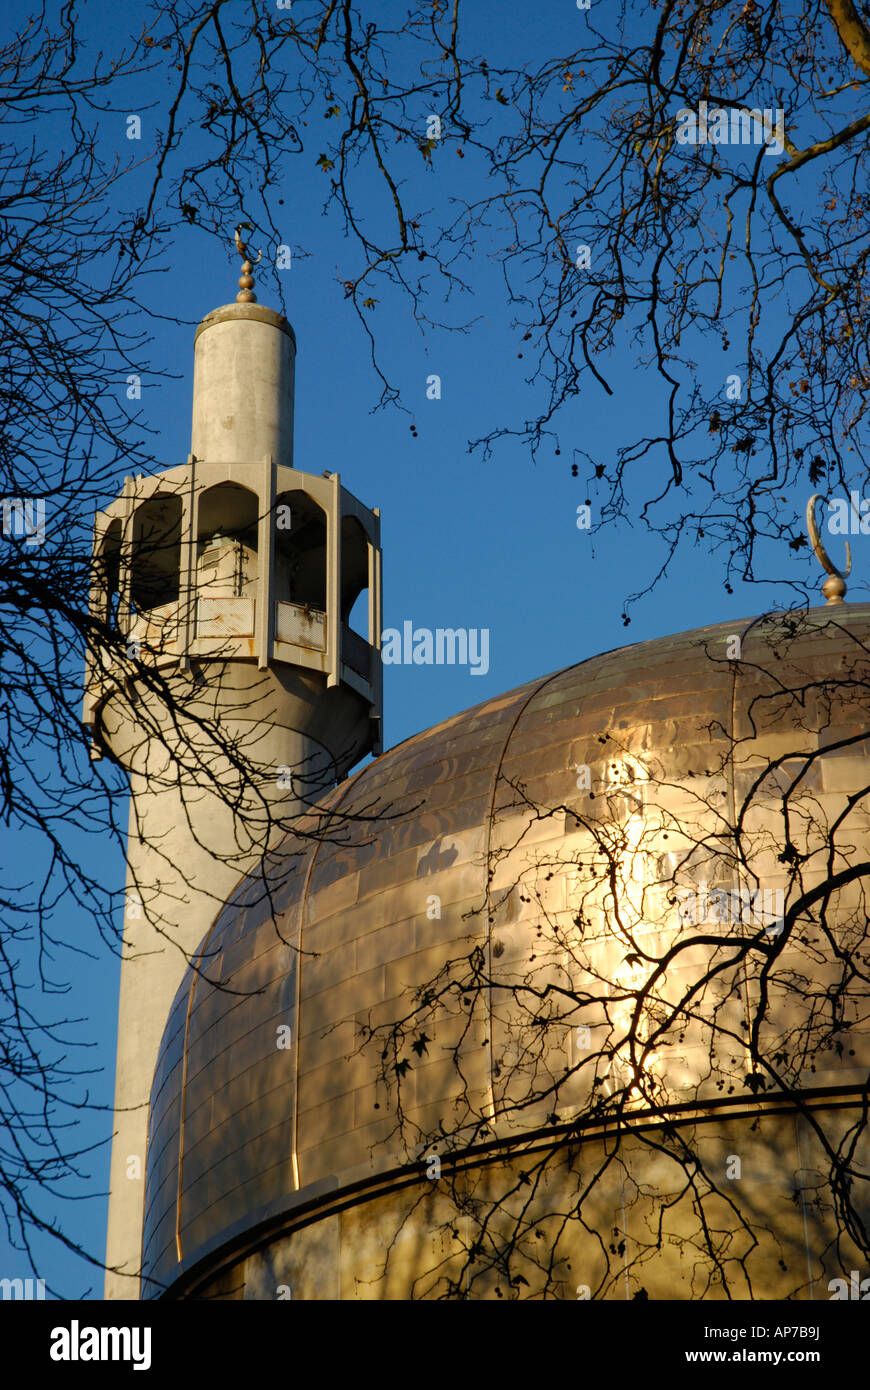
467 542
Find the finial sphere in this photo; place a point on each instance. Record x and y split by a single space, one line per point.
834 588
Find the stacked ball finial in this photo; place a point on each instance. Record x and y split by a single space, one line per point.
246 280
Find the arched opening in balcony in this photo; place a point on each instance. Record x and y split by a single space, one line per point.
155 554
300 570
300 551
108 574
355 596
227 561
226 542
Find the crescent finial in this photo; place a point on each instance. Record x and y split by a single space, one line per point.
834 587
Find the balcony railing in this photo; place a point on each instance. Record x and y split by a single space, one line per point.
356 652
156 628
300 625
159 629
225 617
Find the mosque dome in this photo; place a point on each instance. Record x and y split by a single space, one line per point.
276 1156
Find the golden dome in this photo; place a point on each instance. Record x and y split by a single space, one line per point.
268 1104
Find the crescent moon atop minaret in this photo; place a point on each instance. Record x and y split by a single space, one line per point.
834 588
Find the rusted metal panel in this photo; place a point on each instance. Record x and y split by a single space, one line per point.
157 629
304 627
225 617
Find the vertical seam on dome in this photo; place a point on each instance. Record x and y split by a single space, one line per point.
541 685
732 733
297 1021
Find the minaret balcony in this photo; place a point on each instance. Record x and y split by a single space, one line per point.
226 627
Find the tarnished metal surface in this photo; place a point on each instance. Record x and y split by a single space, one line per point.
306 627
261 1090
224 617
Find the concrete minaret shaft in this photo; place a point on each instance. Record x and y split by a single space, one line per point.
228 683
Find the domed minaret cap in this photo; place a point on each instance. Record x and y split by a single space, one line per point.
243 380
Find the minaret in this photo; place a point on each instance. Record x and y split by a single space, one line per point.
234 692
